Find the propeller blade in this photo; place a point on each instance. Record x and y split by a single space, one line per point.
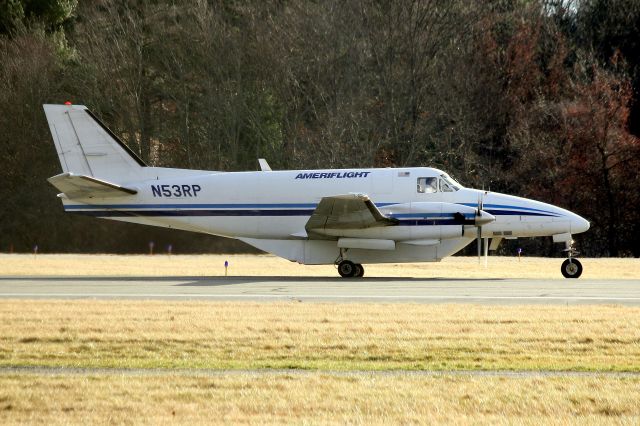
479 238
482 218
486 252
479 244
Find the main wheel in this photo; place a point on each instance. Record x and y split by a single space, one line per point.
571 268
359 270
346 269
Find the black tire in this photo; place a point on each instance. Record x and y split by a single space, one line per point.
346 269
359 271
571 268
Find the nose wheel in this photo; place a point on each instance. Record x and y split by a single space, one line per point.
571 268
348 269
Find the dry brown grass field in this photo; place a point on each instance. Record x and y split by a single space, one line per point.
383 342
268 265
252 335
320 339
317 398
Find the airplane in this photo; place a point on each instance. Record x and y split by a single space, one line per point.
345 217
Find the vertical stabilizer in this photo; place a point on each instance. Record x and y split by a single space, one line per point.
85 146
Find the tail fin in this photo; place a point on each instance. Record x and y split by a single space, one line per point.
87 147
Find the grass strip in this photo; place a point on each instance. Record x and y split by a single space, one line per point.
317 398
242 335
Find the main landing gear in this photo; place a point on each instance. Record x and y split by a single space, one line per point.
571 268
348 269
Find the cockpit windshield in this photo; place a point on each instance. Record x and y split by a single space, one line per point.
444 183
447 184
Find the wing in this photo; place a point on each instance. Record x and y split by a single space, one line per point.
351 211
81 186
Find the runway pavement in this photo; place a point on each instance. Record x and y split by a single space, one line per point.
323 289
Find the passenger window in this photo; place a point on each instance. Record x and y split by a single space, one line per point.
427 185
444 186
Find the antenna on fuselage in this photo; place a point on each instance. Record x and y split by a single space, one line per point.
264 166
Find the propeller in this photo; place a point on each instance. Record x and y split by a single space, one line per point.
479 227
482 218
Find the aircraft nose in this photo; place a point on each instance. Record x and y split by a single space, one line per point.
579 224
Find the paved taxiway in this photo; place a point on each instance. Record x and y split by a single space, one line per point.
415 290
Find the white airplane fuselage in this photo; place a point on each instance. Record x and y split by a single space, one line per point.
346 216
269 209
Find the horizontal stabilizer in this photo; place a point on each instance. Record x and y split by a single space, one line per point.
81 186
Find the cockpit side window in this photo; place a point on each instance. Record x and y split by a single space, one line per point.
427 185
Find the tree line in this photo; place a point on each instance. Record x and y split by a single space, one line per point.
535 98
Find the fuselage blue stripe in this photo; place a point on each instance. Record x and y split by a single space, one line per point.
187 206
427 215
197 206
519 213
182 213
178 213
427 222
438 217
491 208
485 207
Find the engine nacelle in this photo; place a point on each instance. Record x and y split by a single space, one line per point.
430 209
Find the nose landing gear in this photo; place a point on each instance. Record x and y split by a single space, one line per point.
571 268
